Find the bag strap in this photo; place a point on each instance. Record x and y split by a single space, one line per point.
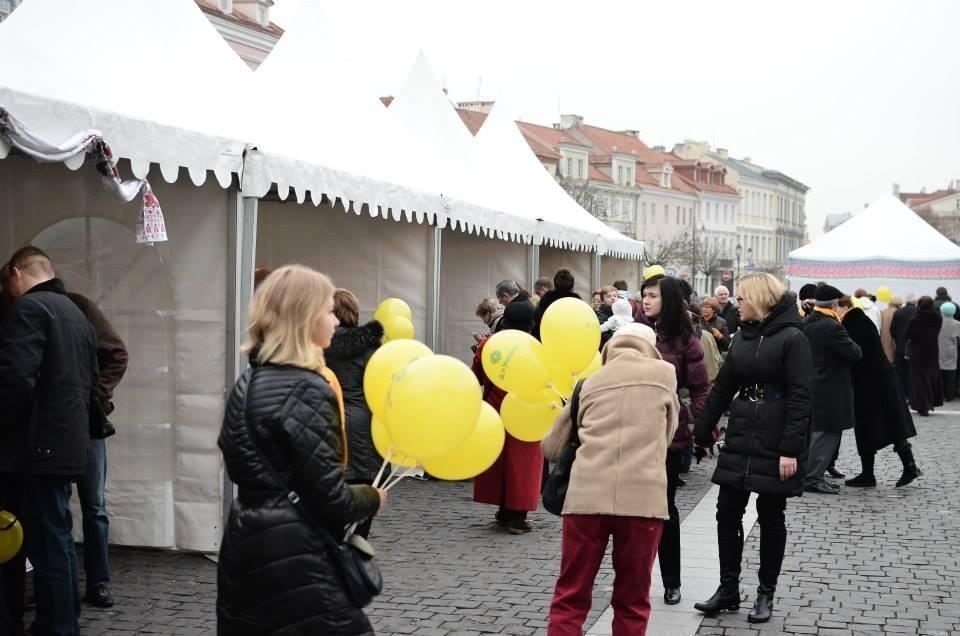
292 496
575 414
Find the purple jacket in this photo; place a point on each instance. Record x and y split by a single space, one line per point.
691 375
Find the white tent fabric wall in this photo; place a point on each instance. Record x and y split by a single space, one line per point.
375 258
168 302
886 244
471 268
580 265
613 269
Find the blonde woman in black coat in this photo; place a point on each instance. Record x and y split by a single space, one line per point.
765 382
282 434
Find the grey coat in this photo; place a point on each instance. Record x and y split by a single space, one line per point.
949 336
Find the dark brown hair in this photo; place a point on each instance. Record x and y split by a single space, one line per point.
346 307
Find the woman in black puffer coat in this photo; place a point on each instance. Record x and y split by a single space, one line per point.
768 369
282 433
347 356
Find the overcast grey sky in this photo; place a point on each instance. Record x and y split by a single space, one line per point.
848 97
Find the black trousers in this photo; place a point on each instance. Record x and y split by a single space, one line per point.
903 373
949 379
731 504
670 538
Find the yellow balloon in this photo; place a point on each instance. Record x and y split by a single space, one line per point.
571 334
516 362
884 294
563 384
397 328
593 367
474 455
654 270
530 421
11 536
432 406
381 441
390 308
387 361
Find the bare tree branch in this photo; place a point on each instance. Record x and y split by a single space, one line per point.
667 252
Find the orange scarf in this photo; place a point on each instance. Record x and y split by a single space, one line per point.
828 312
331 377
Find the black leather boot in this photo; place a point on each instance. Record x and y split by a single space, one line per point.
727 596
866 478
910 469
763 606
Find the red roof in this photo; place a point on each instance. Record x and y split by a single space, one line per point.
918 199
547 135
211 7
607 142
472 119
595 174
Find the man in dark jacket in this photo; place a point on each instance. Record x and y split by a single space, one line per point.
834 355
728 310
898 329
48 371
112 361
563 283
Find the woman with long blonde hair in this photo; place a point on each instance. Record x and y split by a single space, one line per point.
284 447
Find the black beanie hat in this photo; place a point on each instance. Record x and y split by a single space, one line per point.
807 292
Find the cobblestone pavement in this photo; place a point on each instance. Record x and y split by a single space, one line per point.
869 561
863 562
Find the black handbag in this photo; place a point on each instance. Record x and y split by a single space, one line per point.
353 557
555 488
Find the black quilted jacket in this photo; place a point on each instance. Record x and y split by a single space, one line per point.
347 357
275 575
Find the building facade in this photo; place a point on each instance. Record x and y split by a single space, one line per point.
940 208
245 25
7 7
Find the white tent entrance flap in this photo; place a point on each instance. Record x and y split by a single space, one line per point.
885 244
580 265
168 304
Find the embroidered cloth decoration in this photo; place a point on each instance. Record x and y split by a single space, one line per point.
150 225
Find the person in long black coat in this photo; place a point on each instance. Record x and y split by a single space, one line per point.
563 283
923 353
768 368
347 356
880 408
834 354
898 329
282 435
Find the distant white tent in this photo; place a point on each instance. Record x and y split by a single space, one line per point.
885 244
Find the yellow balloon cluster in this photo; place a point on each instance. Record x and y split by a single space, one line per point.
396 318
428 410
11 536
538 377
883 294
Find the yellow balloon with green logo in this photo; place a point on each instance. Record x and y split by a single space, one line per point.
11 536
570 332
514 361
474 455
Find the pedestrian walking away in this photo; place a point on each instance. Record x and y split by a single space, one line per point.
666 311
947 346
881 414
765 382
48 374
898 329
628 412
283 444
923 354
833 354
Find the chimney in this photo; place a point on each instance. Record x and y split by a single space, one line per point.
632 133
570 121
723 153
896 189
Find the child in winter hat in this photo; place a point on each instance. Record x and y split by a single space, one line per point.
622 315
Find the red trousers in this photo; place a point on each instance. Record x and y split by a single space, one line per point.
635 543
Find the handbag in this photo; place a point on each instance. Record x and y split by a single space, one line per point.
353 557
555 488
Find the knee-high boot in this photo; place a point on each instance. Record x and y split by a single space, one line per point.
910 469
866 478
727 596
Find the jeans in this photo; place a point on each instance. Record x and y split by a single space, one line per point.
47 526
585 537
95 523
823 445
731 504
670 538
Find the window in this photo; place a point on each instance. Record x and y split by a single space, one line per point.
643 213
677 215
579 168
666 214
616 206
569 172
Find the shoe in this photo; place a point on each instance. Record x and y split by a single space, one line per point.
99 596
521 527
671 595
862 481
822 488
723 599
836 474
762 608
681 482
910 469
501 518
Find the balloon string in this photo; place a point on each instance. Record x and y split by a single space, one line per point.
408 472
383 467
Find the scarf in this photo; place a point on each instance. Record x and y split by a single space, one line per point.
828 312
331 377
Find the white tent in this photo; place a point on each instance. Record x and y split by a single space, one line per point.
885 244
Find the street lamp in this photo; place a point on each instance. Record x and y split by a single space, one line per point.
738 251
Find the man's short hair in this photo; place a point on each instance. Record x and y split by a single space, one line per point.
719 287
543 283
30 259
508 288
621 285
563 280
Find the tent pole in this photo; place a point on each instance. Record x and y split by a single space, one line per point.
433 293
241 254
595 271
533 265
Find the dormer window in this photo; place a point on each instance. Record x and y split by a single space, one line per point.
580 168
569 167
